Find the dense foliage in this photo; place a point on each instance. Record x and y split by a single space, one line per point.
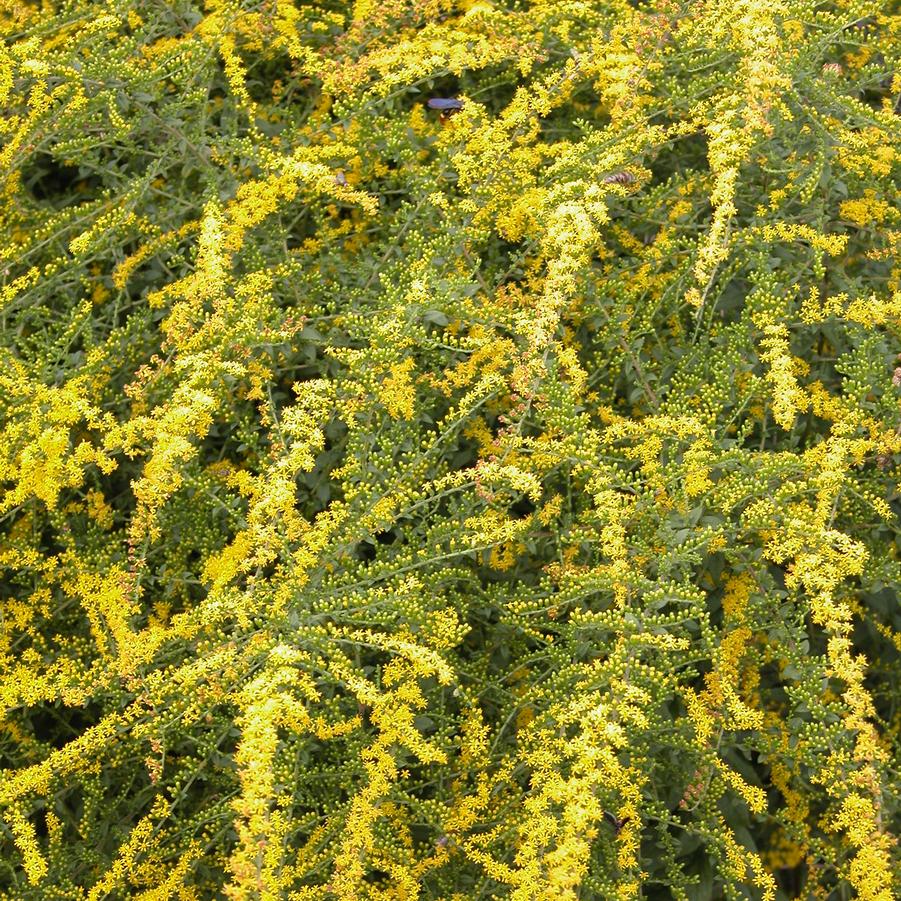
407 503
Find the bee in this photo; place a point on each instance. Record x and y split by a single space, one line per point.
883 461
619 178
446 105
341 179
615 821
832 69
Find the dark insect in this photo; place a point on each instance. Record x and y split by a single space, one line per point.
445 104
618 178
341 179
615 821
864 25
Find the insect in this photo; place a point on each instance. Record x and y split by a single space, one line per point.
341 179
864 25
832 69
445 104
615 821
618 178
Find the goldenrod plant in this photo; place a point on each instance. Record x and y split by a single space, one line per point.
450 450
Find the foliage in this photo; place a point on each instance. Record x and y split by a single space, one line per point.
499 503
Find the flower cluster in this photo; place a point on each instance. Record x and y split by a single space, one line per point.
449 450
